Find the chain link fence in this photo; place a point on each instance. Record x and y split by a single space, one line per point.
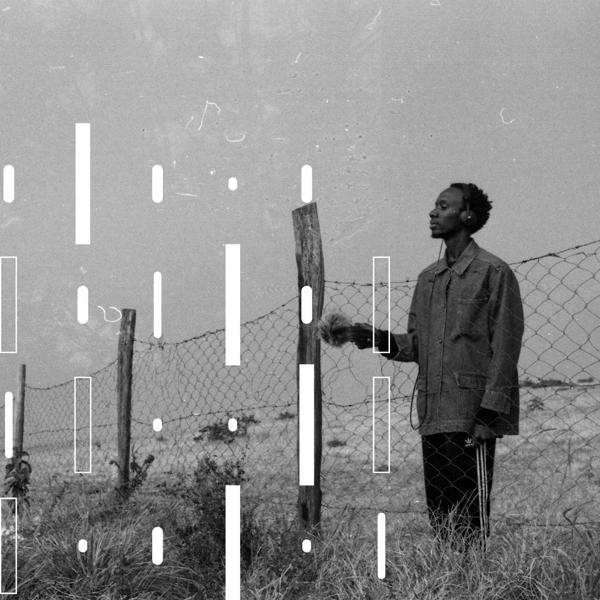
549 471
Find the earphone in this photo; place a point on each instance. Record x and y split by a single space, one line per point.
468 217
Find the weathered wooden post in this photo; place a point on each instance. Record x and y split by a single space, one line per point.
309 260
19 428
124 381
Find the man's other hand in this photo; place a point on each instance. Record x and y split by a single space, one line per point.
361 334
482 433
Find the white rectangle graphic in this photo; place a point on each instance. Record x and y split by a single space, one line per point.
82 410
306 184
381 545
157 184
232 304
8 305
157 304
306 302
8 424
381 424
157 546
82 305
306 425
9 526
232 542
381 305
8 183
82 183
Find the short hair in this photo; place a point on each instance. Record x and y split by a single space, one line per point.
478 203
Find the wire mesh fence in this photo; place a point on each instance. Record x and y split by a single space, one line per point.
552 468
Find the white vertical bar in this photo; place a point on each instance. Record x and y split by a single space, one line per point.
8 424
232 304
157 304
388 420
381 545
75 405
157 184
82 183
157 546
82 305
306 183
232 542
388 308
306 425
8 185
306 304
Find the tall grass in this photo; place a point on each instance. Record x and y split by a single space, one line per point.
521 563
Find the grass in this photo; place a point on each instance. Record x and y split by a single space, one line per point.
521 563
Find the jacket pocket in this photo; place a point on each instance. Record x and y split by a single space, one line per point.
470 381
471 387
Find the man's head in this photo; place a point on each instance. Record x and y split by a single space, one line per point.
462 206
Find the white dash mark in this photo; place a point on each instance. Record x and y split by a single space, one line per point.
306 304
8 424
297 58
186 194
82 545
82 402
189 122
232 304
306 183
82 184
157 424
157 184
83 314
381 545
232 184
8 189
502 117
157 546
306 421
306 545
157 304
232 424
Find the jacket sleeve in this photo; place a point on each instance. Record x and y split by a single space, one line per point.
406 345
506 334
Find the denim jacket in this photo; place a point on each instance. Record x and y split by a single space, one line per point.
465 327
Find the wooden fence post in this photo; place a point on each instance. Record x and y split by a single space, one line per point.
124 381
19 428
309 260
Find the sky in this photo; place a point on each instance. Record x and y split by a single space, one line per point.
389 102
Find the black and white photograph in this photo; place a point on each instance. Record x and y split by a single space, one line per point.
300 300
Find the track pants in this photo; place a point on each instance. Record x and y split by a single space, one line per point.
458 482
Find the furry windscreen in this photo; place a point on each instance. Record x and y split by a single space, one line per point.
333 328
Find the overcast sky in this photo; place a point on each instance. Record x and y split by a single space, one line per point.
388 101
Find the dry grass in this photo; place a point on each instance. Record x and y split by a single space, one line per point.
521 563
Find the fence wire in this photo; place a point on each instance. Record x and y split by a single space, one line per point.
551 468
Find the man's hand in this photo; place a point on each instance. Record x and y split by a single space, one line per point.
361 334
482 433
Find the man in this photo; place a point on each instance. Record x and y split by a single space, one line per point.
465 327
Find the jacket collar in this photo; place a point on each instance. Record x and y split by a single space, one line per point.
462 263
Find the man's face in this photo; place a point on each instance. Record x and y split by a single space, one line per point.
444 221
